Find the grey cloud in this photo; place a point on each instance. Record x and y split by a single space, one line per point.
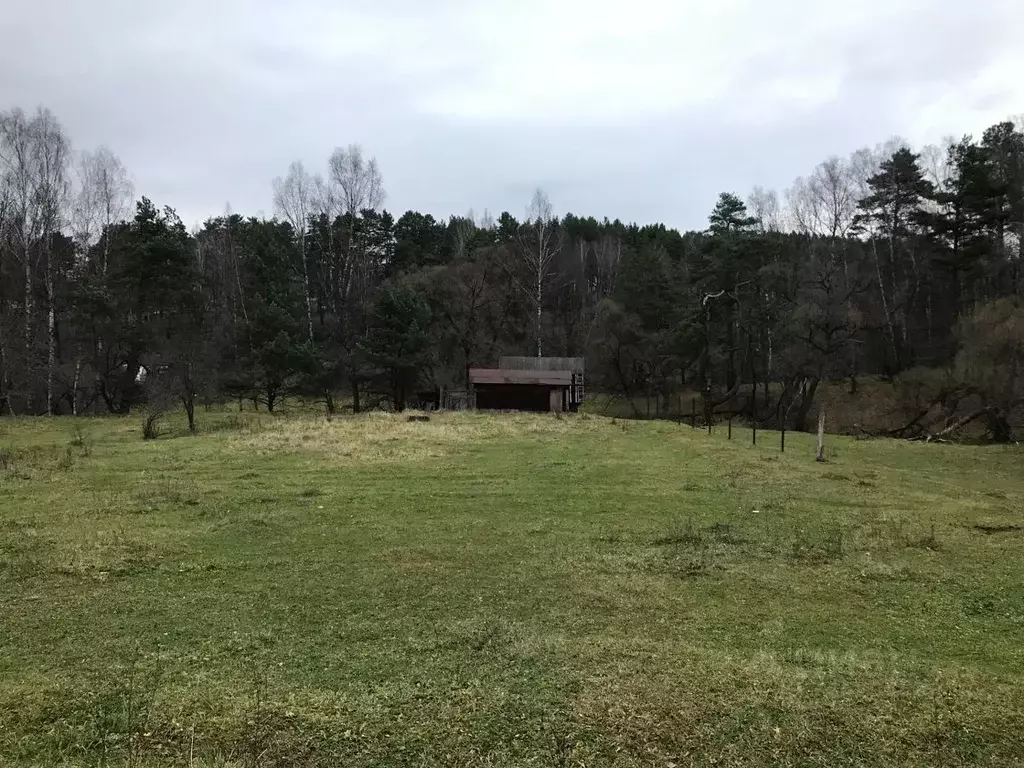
206 106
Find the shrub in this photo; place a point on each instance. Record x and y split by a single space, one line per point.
151 425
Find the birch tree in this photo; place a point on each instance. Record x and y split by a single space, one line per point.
17 162
354 185
5 368
764 206
357 179
34 155
103 198
294 198
825 202
539 242
53 158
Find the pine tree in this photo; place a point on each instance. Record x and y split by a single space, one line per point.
893 217
397 343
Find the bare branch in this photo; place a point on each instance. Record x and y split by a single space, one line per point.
358 181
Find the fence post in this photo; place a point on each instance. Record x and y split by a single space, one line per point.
821 436
753 409
782 438
693 413
730 427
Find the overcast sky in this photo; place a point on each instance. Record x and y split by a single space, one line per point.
639 109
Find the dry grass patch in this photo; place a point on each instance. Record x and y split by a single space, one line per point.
390 438
807 709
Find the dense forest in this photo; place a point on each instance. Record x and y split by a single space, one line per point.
889 263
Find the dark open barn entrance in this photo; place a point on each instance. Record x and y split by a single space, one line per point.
513 397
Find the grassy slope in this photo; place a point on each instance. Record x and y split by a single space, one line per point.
504 590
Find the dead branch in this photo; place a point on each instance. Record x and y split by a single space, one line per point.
958 424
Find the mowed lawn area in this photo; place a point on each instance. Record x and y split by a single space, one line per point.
502 590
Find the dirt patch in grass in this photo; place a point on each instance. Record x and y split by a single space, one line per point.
990 529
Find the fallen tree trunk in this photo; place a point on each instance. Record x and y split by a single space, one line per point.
913 424
958 424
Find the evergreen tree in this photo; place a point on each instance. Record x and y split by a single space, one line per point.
397 344
274 351
893 216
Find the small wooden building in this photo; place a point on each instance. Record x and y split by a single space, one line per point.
529 384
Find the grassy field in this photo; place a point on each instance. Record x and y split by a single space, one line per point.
504 590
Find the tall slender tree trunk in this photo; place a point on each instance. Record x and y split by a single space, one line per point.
51 333
885 305
730 372
74 387
820 454
305 284
807 392
355 394
104 258
188 401
29 310
5 389
899 310
539 297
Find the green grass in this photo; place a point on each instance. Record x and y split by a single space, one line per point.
504 590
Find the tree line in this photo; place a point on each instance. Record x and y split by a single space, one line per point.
888 263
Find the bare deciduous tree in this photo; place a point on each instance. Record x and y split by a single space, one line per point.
825 202
865 162
462 228
325 198
607 255
354 185
833 190
357 180
54 152
935 161
764 206
17 163
294 198
104 196
34 156
5 368
540 240
799 206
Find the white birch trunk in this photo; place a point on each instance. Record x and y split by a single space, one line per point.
29 310
74 387
51 335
